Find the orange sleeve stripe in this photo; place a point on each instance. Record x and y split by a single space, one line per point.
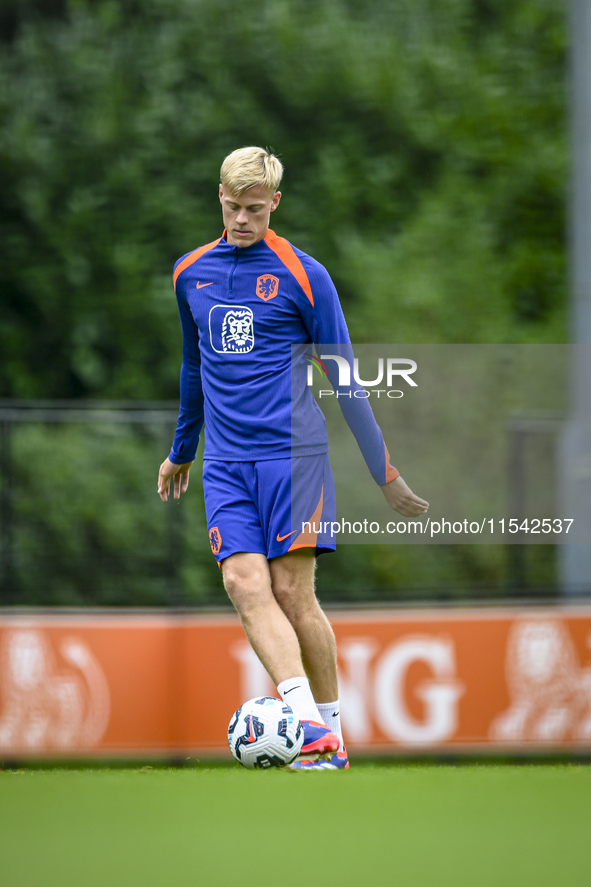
287 255
192 257
391 472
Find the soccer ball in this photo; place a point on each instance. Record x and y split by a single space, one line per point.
265 733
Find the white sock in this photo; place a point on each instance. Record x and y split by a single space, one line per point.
331 715
298 695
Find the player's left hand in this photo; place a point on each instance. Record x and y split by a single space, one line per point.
180 473
401 498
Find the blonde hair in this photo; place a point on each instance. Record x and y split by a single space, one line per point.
248 167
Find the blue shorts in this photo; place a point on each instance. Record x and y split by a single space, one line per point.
270 507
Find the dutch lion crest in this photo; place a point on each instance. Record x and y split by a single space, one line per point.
215 540
237 331
267 286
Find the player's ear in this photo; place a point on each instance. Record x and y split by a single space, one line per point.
275 200
221 192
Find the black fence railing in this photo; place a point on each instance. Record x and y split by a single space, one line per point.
81 523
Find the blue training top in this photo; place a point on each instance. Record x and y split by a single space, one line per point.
243 309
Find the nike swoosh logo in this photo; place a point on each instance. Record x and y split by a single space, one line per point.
201 285
335 714
292 688
251 737
281 538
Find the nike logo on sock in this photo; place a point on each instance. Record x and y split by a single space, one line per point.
285 692
335 714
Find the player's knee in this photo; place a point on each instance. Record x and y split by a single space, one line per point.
297 603
237 585
248 603
246 589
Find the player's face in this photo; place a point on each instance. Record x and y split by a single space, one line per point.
246 218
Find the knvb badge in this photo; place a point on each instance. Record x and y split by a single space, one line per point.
267 287
396 368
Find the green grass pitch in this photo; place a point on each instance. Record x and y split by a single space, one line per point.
415 825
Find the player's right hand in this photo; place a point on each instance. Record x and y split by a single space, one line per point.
180 473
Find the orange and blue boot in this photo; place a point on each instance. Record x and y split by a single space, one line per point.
338 761
319 741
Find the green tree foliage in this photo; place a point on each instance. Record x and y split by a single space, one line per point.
425 167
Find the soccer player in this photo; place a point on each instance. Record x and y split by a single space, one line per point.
251 307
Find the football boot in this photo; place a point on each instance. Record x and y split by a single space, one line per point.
338 761
319 741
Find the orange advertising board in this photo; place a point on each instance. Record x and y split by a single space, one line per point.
147 684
